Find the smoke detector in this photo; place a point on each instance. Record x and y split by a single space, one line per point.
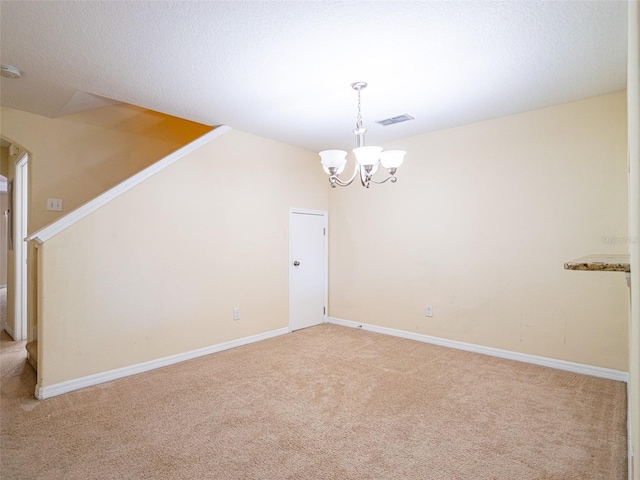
9 71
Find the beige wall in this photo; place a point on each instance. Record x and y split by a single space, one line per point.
77 157
479 225
159 270
4 161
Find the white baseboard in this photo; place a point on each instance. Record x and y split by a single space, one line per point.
49 391
581 368
9 330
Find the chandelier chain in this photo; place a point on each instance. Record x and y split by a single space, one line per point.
359 119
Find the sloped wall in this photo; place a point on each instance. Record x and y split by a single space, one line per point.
79 156
158 270
479 225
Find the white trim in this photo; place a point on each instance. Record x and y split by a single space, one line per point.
581 368
79 213
49 391
325 283
629 437
20 217
9 330
308 211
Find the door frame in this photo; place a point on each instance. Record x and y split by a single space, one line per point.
325 253
20 247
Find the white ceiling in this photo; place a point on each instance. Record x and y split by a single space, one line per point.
283 69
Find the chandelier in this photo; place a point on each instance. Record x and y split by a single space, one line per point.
368 159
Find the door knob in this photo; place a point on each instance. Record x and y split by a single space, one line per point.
296 263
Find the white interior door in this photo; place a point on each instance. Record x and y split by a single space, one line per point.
307 268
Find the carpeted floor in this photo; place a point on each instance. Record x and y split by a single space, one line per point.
327 402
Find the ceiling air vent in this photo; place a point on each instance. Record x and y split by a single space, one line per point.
390 121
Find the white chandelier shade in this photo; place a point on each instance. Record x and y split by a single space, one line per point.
333 159
392 158
367 158
367 155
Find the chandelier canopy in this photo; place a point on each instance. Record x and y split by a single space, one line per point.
368 159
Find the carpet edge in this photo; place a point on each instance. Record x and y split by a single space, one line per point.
48 391
580 368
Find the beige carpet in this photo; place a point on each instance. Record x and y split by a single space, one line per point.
323 403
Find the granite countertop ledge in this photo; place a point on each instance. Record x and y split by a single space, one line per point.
601 263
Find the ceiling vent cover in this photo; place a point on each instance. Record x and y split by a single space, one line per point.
390 121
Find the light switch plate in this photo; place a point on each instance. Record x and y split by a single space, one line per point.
54 204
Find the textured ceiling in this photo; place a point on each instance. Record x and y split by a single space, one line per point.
283 69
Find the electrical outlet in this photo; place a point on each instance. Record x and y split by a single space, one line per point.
429 311
236 313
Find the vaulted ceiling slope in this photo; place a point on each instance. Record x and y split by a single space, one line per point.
283 69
